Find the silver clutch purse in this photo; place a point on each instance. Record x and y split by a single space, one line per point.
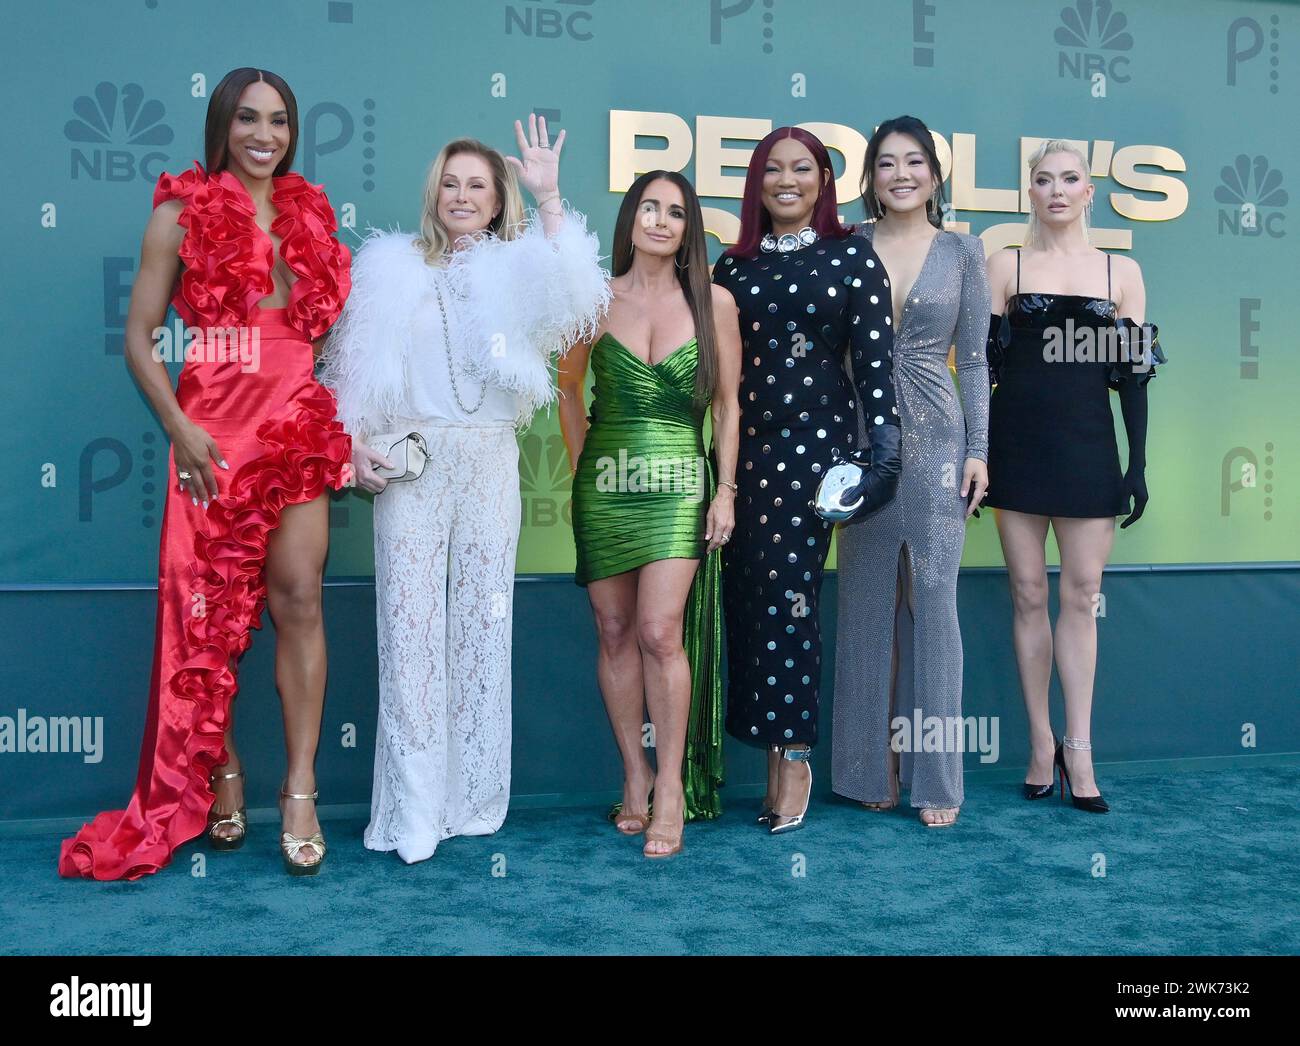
843 475
406 450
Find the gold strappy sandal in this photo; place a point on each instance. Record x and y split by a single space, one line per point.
292 845
238 819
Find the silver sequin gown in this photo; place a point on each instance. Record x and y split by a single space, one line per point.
805 316
948 305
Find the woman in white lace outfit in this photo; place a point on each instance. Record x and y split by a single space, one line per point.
452 334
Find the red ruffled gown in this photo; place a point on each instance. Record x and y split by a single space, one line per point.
275 425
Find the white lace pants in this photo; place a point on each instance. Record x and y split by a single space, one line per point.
445 549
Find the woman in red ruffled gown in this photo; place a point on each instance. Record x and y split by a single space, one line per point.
248 251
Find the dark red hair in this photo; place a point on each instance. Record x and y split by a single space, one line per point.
755 222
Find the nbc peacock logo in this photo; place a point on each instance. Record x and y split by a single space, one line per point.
544 480
116 131
1094 38
1253 194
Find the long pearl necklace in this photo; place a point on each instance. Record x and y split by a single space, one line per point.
451 370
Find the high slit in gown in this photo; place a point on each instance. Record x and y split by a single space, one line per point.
275 425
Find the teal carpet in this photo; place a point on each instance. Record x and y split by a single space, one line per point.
1196 862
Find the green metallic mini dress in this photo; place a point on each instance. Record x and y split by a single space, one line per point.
641 493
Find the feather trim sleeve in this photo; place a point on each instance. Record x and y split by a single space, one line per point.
526 301
365 358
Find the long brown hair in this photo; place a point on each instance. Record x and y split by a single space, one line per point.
221 112
691 264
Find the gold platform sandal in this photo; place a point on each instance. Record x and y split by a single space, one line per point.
291 845
239 819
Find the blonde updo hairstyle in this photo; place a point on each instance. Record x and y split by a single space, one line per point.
434 239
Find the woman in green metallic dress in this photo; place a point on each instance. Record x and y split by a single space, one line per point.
648 516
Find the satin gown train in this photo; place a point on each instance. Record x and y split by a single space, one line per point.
275 425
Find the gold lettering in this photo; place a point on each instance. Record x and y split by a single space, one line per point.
1126 163
965 195
711 156
722 224
626 161
850 144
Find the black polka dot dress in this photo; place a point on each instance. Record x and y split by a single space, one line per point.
802 314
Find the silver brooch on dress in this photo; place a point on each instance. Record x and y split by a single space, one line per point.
790 241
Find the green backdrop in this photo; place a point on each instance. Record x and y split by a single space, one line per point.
114 93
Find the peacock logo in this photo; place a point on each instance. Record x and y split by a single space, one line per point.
1253 196
1093 37
112 126
1093 27
544 480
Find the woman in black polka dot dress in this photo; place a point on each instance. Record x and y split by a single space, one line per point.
811 297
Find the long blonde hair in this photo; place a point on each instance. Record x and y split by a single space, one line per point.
1055 145
434 240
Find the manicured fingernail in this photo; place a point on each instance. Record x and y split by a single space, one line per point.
223 464
194 499
205 506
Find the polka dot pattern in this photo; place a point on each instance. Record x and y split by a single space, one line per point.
802 314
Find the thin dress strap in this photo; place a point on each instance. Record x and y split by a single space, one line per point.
1017 272
1108 294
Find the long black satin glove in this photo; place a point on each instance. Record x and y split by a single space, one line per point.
880 481
1135 487
1133 403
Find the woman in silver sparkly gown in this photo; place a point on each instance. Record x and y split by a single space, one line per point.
898 648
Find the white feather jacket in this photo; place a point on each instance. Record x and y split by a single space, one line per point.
513 307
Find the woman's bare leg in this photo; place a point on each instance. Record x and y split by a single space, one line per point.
1085 546
1023 547
295 565
620 675
662 589
228 794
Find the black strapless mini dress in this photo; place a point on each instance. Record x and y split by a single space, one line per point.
1052 448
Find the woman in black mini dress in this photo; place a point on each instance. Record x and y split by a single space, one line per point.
1056 349
812 299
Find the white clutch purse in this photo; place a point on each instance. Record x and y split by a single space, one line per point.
406 450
